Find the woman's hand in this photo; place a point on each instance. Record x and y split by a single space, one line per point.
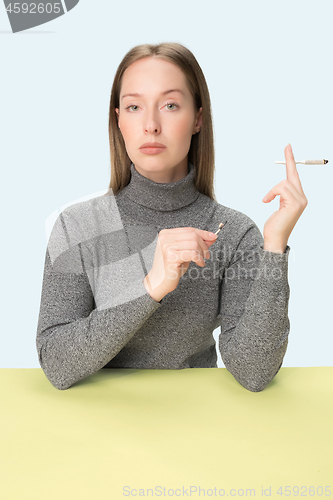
175 249
293 201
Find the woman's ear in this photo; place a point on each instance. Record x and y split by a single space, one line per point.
117 113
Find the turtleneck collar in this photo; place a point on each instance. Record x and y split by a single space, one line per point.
165 196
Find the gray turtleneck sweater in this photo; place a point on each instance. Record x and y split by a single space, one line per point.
95 311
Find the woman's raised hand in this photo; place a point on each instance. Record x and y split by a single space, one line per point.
175 249
293 201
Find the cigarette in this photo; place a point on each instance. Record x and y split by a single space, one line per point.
307 162
220 227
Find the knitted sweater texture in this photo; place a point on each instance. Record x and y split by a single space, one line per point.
95 311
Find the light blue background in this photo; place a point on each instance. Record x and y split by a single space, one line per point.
268 66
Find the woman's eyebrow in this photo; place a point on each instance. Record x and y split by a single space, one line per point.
162 93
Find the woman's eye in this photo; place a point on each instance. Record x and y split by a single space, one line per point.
132 106
172 104
168 104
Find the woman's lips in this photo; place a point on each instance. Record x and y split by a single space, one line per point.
152 150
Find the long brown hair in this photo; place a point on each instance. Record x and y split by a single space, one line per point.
201 153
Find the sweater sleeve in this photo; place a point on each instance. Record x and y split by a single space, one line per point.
74 338
254 312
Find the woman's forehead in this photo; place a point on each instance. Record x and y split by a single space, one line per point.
153 73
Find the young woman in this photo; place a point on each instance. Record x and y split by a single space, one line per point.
126 283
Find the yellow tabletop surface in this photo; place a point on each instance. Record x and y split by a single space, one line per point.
192 433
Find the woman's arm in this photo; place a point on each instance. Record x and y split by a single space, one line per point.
74 339
254 312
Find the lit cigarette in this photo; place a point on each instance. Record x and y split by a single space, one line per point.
307 162
220 227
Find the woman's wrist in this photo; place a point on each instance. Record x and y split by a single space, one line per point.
275 247
155 292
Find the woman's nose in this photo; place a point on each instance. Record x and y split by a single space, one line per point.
151 129
151 123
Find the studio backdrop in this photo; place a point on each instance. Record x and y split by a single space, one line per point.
268 66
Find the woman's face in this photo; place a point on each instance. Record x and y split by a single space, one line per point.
157 115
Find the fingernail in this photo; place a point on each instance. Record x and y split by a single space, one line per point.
212 235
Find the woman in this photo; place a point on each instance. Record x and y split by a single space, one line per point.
126 284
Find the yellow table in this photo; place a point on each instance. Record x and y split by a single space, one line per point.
160 433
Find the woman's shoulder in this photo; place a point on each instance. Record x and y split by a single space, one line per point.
239 230
89 217
236 220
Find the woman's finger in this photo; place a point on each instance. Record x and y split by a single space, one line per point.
187 234
292 173
287 197
290 187
182 246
